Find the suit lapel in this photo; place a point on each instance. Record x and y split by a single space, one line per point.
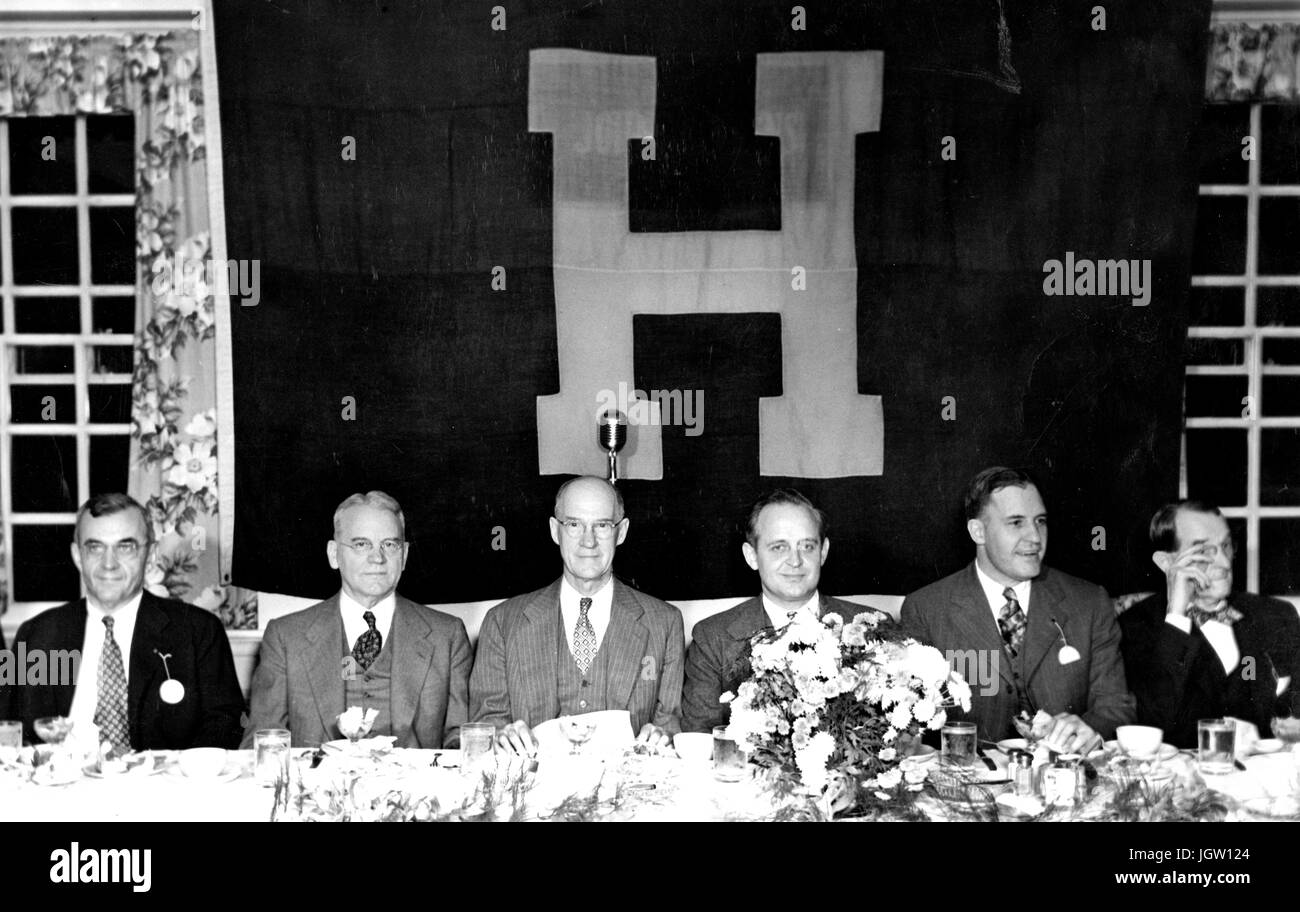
975 625
71 635
146 668
626 641
535 649
324 670
412 659
1251 643
750 619
1046 601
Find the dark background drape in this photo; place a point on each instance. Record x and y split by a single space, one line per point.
375 279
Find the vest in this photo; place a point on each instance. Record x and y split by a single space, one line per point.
579 694
372 688
1231 694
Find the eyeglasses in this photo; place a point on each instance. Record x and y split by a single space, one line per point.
575 528
125 549
365 547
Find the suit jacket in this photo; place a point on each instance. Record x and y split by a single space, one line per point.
718 658
298 684
1177 677
953 615
515 666
207 716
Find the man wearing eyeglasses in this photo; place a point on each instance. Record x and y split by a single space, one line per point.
366 646
1198 650
585 643
128 643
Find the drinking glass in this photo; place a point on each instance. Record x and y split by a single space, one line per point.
11 734
476 742
578 730
958 741
728 758
271 750
1216 745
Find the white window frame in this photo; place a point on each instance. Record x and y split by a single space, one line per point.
62 18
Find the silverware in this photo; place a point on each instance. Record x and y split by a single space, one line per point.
1239 765
988 761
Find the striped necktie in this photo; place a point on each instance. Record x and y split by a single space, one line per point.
1012 622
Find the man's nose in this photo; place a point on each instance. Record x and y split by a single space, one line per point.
796 558
110 558
1033 533
588 535
378 555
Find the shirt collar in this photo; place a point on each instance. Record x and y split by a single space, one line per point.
601 598
779 616
993 591
123 617
383 609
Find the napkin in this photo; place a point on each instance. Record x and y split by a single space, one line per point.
612 736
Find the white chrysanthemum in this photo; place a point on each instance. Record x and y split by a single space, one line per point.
889 735
916 774
900 716
887 754
959 690
889 779
937 721
923 710
813 758
925 662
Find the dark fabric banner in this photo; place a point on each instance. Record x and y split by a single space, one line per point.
379 165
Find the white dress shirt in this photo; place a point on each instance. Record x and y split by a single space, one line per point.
354 622
993 592
1219 635
85 696
780 617
601 603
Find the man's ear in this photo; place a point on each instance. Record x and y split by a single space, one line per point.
826 549
1162 559
751 556
332 552
975 529
555 530
76 556
623 525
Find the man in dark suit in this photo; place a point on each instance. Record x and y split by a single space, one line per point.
1051 637
1198 650
585 643
786 541
365 646
124 645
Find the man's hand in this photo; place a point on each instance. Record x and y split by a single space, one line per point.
517 738
654 736
1072 735
1185 577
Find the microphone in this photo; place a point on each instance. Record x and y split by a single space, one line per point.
611 436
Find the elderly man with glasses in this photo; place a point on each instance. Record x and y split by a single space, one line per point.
365 646
585 643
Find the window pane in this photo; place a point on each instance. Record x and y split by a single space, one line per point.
43 568
47 315
1215 397
44 475
114 315
1237 528
1220 247
112 359
1279 161
45 246
1217 306
1277 306
108 463
31 168
1279 556
110 403
110 139
42 404
1222 129
1279 236
1216 465
1282 351
1279 457
1220 352
112 245
42 359
1282 400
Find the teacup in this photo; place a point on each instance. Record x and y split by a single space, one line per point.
1141 742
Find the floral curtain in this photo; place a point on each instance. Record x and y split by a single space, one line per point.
1254 63
173 467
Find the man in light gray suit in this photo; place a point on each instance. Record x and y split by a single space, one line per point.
365 646
585 643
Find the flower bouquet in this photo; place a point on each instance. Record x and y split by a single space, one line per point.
833 706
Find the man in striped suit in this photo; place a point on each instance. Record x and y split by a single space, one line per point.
585 643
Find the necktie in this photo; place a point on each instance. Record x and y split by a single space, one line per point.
1226 614
367 647
584 637
110 709
1012 622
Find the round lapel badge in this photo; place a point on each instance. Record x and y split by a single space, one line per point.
172 691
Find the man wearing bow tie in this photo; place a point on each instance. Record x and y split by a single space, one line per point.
585 643
128 643
786 541
1198 650
1052 636
366 646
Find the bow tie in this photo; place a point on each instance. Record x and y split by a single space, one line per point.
1226 615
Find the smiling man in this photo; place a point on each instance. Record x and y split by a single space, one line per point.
365 646
585 643
786 542
122 634
1023 614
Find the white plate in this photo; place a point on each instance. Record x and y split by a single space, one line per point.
231 772
1166 752
146 767
376 743
1010 744
1269 745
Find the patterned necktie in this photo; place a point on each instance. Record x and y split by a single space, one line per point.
366 649
584 637
1012 622
110 709
1225 615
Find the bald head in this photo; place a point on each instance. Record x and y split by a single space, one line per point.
589 486
588 525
